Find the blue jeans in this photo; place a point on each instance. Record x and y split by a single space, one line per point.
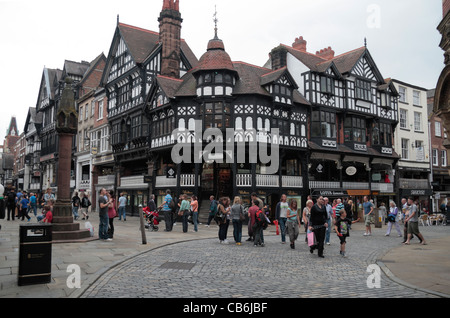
103 226
327 233
122 211
34 208
282 223
75 212
237 230
195 220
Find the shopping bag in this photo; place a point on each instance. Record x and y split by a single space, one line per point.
89 226
277 227
311 238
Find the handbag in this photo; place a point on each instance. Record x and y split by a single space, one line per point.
311 238
242 215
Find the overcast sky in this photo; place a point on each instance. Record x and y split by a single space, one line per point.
401 35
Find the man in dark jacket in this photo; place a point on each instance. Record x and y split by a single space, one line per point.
318 224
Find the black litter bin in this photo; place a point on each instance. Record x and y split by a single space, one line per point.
35 254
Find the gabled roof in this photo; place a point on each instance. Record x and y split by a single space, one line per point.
142 45
75 68
49 82
343 64
140 42
35 118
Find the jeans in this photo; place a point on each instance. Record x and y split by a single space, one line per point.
184 219
34 208
259 235
168 219
122 212
75 212
237 230
223 230
103 226
320 237
327 233
195 220
282 223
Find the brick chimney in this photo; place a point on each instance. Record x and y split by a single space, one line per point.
170 37
326 53
279 57
299 44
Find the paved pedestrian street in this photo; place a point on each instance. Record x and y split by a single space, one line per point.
204 269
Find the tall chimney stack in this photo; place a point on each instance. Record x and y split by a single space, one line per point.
299 44
170 37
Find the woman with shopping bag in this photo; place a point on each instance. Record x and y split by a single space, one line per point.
318 225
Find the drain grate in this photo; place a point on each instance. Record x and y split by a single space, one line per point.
178 265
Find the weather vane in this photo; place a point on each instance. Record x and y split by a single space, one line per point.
215 21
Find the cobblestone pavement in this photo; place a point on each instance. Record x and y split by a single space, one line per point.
205 269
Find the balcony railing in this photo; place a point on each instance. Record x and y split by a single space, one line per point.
186 180
262 180
381 187
414 184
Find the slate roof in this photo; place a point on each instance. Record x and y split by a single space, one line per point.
142 43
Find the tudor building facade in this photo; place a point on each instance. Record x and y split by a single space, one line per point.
353 117
136 57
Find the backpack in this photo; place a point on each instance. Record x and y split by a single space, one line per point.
261 219
219 217
172 205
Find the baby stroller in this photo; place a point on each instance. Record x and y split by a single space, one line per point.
152 219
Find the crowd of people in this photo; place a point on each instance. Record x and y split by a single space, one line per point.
318 218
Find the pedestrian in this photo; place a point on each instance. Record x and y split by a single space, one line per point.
260 202
305 216
393 218
413 222
111 213
212 209
382 212
184 211
368 214
237 217
194 209
123 206
405 214
259 226
151 204
330 218
348 206
48 215
280 215
33 203
342 228
24 202
252 219
85 204
167 211
48 195
224 209
11 204
318 225
293 222
339 206
75 205
103 204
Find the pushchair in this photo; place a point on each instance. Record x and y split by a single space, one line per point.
152 219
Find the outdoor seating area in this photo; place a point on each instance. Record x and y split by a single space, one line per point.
433 219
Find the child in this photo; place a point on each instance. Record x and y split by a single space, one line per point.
342 229
48 214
